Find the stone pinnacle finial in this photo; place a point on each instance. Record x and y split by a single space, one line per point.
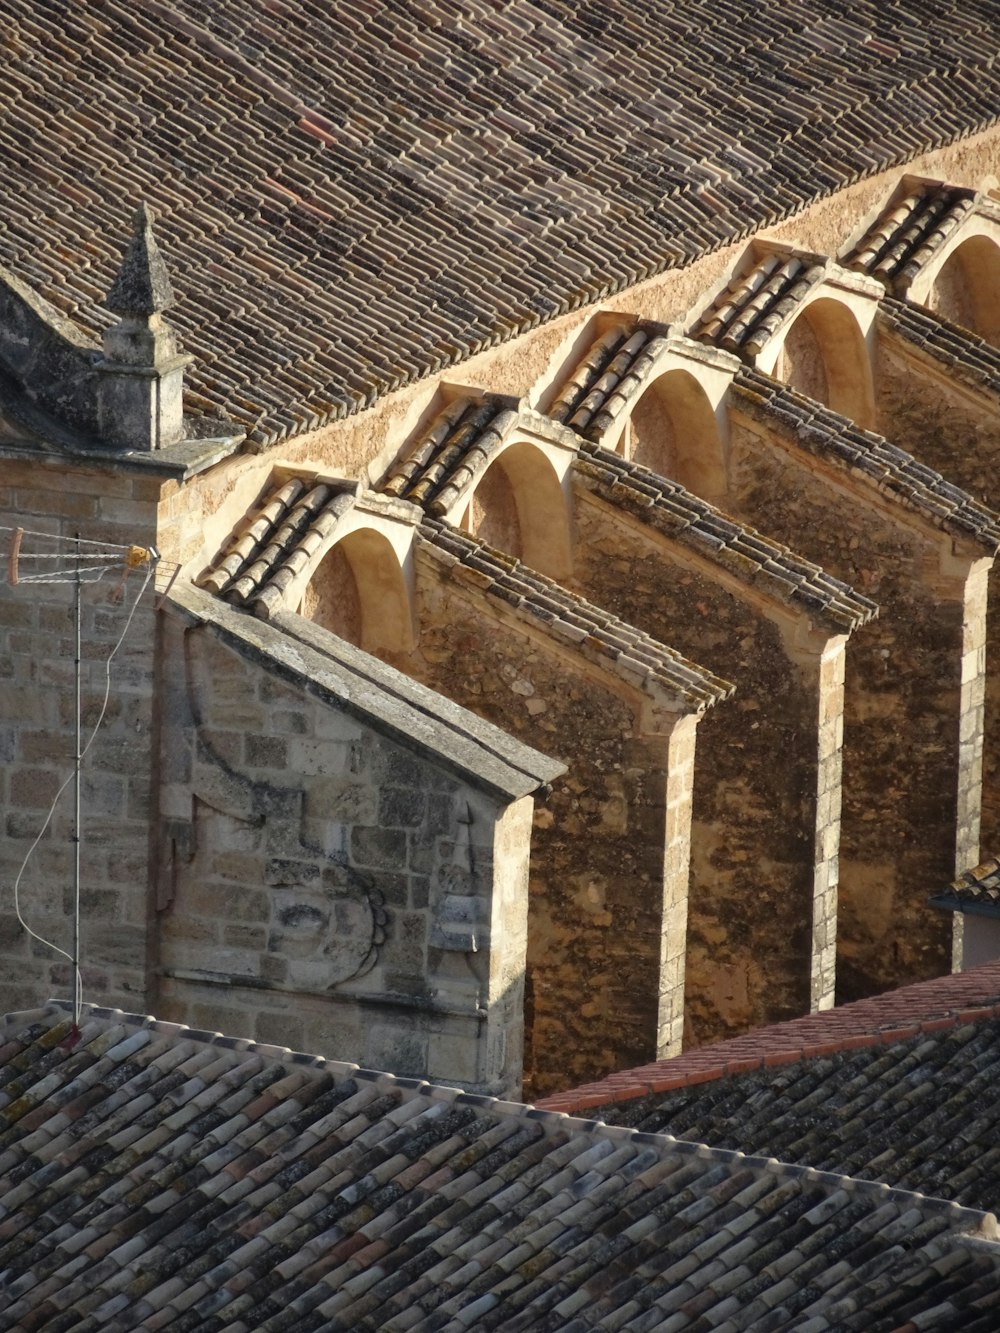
142 284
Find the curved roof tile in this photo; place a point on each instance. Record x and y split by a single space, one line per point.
160 1177
350 200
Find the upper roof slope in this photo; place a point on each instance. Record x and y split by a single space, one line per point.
352 198
156 1177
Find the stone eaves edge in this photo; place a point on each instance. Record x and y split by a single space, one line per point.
408 713
965 1223
846 611
897 317
675 683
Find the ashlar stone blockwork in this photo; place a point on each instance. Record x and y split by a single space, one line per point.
322 876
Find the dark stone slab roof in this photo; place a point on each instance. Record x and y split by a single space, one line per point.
909 232
638 658
157 1177
963 354
350 200
756 303
976 891
919 1113
891 470
743 552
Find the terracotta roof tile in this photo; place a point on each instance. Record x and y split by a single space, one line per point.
908 233
521 165
936 1005
753 305
977 891
454 452
276 543
181 1180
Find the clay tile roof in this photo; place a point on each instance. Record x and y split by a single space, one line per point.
348 200
894 472
755 304
918 1113
908 233
637 657
157 1177
454 452
276 544
925 1006
976 891
743 552
608 376
966 356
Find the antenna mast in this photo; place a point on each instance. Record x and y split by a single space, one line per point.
71 567
77 768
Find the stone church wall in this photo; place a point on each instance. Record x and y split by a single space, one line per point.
753 956
326 887
606 929
910 813
37 739
956 430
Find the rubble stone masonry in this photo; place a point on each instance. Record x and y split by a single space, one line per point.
606 930
954 427
767 951
913 698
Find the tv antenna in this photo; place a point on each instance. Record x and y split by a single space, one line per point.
42 557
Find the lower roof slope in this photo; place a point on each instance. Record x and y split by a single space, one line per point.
153 1177
920 1113
352 199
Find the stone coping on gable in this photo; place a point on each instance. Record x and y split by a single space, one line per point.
356 682
886 468
925 1006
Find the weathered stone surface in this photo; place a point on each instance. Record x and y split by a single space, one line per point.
348 884
904 701
762 909
596 993
142 283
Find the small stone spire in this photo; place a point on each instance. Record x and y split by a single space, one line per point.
142 374
142 284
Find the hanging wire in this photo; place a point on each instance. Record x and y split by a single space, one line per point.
84 541
151 559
